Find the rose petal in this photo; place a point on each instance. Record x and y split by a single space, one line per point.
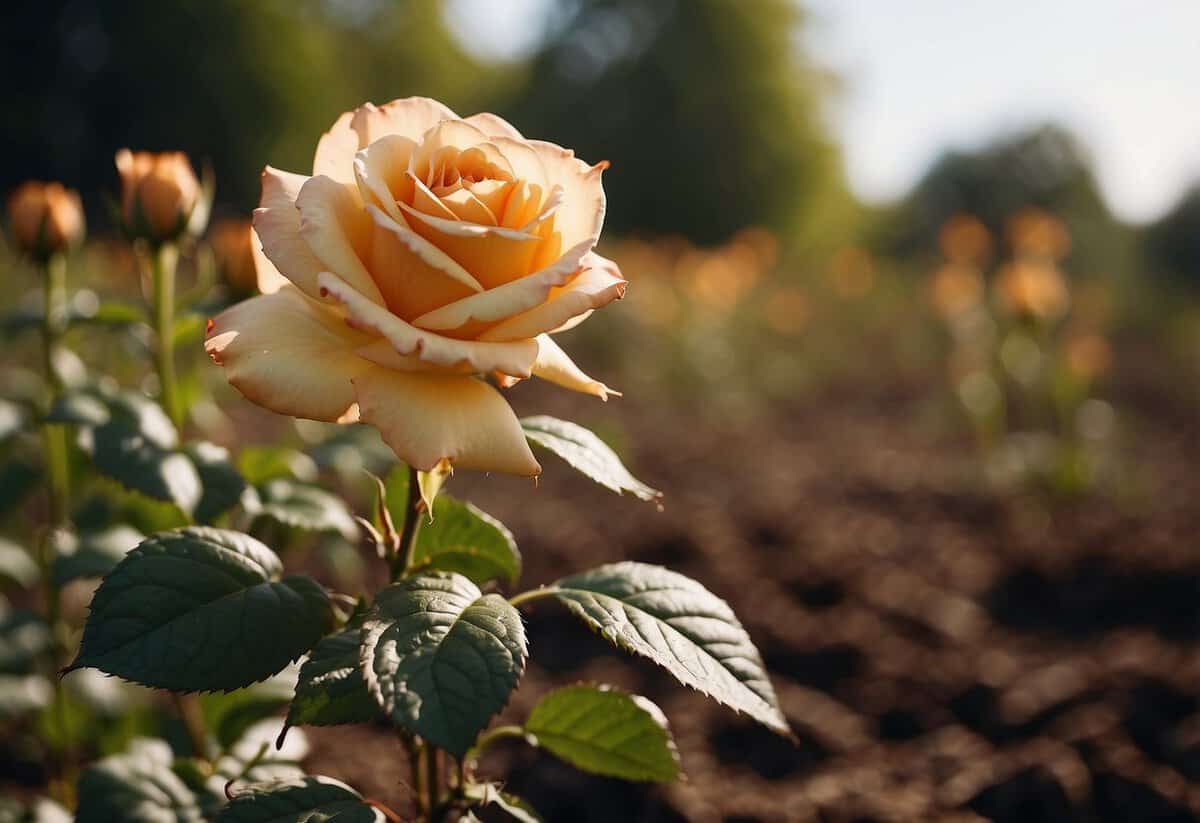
409 116
467 207
335 150
597 285
493 255
409 283
526 162
492 193
382 353
338 230
277 222
515 358
381 170
493 125
523 205
504 301
572 323
582 214
289 354
458 136
430 254
427 418
554 365
267 277
424 200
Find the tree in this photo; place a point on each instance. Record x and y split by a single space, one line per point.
707 109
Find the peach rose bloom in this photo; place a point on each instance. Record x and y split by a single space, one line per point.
162 186
45 217
425 253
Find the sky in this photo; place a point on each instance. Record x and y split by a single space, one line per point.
921 76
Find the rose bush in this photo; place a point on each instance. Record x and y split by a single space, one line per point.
424 253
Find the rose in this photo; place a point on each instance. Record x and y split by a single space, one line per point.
232 243
1033 288
45 218
159 194
425 252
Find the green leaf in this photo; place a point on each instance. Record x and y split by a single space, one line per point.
139 786
131 440
488 794
306 507
229 715
441 658
223 485
23 693
115 314
85 407
396 498
188 329
464 539
606 731
307 800
258 464
674 621
12 418
94 554
331 689
201 609
24 638
39 810
16 564
18 479
587 453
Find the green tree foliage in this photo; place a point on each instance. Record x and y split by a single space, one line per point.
1044 167
707 110
1172 243
234 83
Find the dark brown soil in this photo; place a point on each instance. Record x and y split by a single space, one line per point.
945 652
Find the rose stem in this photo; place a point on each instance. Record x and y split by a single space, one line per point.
54 437
407 546
164 261
166 257
433 776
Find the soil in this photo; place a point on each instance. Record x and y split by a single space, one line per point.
945 652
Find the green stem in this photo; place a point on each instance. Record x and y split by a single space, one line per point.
407 546
413 748
57 458
55 435
166 257
532 594
188 709
488 738
416 762
433 780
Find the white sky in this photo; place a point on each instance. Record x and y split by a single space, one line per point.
924 75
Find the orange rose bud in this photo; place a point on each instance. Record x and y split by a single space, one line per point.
231 241
45 217
158 193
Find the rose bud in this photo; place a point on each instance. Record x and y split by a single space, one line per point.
46 218
232 244
159 193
